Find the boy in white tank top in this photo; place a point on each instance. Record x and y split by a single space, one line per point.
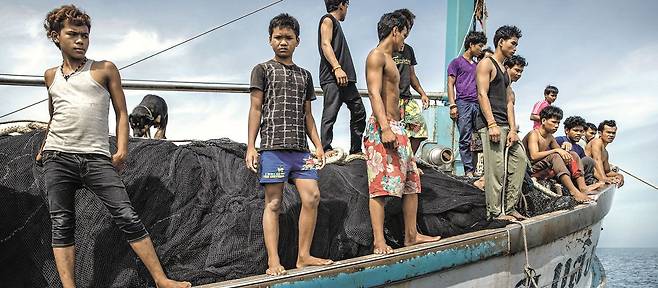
76 152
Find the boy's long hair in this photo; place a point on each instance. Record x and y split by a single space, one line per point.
56 19
388 22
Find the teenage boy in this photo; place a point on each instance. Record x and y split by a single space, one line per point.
546 156
391 165
514 66
591 132
574 129
76 150
597 149
550 95
464 107
338 78
281 95
496 116
412 115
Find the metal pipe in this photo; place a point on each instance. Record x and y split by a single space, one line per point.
129 84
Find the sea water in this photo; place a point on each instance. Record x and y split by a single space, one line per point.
630 267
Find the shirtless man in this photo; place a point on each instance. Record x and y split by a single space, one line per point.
596 148
547 156
392 169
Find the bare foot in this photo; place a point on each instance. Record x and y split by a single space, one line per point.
312 261
517 215
168 283
479 183
382 249
506 218
420 239
275 270
581 197
594 187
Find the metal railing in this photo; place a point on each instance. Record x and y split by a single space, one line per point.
130 84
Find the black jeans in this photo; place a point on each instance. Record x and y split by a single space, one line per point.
67 172
334 97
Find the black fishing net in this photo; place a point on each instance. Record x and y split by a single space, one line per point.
203 209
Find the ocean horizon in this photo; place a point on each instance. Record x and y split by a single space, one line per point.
630 267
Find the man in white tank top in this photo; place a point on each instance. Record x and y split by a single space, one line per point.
76 152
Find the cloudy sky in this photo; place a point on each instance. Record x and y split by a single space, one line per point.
601 55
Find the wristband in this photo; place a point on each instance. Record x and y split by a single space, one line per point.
335 68
493 124
453 106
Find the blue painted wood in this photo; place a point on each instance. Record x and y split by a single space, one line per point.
407 269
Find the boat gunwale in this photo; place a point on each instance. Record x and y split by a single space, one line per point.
564 221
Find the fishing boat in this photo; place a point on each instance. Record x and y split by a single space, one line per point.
555 249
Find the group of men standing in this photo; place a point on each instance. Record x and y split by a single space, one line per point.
482 102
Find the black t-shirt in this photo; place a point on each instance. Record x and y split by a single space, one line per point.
285 90
341 50
404 60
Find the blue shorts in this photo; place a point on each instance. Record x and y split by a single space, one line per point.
278 166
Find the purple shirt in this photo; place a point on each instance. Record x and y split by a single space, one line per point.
464 73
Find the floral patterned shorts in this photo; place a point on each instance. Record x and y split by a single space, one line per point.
391 172
412 116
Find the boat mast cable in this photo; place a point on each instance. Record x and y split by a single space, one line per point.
638 178
169 48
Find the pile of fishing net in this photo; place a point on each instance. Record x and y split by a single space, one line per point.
203 209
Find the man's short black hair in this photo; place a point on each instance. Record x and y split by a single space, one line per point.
506 32
551 112
332 5
515 60
551 89
474 38
388 22
574 121
407 15
591 126
609 123
487 49
284 20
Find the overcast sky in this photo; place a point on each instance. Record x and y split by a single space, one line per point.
600 54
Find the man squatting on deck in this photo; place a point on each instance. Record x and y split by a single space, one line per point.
281 95
391 165
76 150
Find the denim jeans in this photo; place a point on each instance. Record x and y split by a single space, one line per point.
67 172
468 111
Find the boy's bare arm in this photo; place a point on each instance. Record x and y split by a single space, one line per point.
415 83
312 131
451 96
326 36
483 77
49 77
255 111
534 117
113 83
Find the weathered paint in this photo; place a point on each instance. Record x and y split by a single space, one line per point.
557 239
406 269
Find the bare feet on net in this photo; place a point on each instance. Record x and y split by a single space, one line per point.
168 283
517 215
420 239
382 249
479 183
581 197
312 261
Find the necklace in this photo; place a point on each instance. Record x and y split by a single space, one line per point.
66 77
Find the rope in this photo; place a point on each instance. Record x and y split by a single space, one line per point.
172 47
638 178
530 273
